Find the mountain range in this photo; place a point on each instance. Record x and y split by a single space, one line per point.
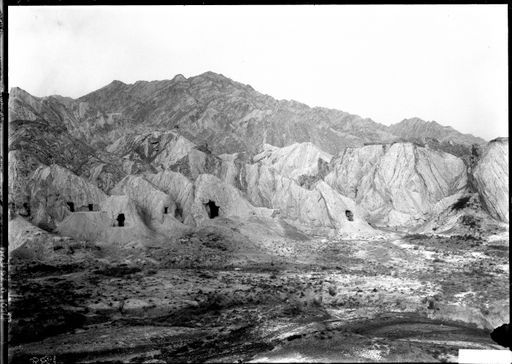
209 133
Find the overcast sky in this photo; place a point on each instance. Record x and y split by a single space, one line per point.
446 63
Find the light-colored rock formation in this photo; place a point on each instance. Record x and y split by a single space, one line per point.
161 149
294 160
398 184
104 225
229 200
54 192
491 175
20 231
20 168
90 226
461 214
159 211
181 190
197 162
154 203
319 207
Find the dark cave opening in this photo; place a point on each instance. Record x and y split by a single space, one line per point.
166 210
71 206
178 213
212 209
120 220
350 215
91 207
26 213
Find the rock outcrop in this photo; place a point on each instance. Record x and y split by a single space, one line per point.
157 150
229 116
491 175
214 198
415 128
181 190
22 233
159 211
54 193
320 206
397 184
118 220
182 150
293 161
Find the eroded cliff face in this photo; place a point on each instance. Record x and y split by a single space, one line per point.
293 161
397 184
180 143
491 176
54 193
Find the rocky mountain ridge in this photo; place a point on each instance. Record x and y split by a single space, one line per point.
415 128
230 116
188 146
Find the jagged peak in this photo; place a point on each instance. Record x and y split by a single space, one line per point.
212 74
179 78
117 82
19 92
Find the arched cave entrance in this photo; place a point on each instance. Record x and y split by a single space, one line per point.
71 206
212 209
91 207
350 215
166 210
25 213
120 220
178 213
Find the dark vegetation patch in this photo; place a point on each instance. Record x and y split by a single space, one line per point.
120 270
461 203
470 221
454 242
308 181
42 309
22 270
238 344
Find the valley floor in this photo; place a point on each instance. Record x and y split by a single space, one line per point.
203 299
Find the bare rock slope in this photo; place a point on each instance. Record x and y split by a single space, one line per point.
397 184
491 175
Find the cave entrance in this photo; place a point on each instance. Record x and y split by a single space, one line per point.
71 206
26 213
166 210
178 213
120 220
350 215
91 207
212 209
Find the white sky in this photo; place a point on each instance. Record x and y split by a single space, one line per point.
444 62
